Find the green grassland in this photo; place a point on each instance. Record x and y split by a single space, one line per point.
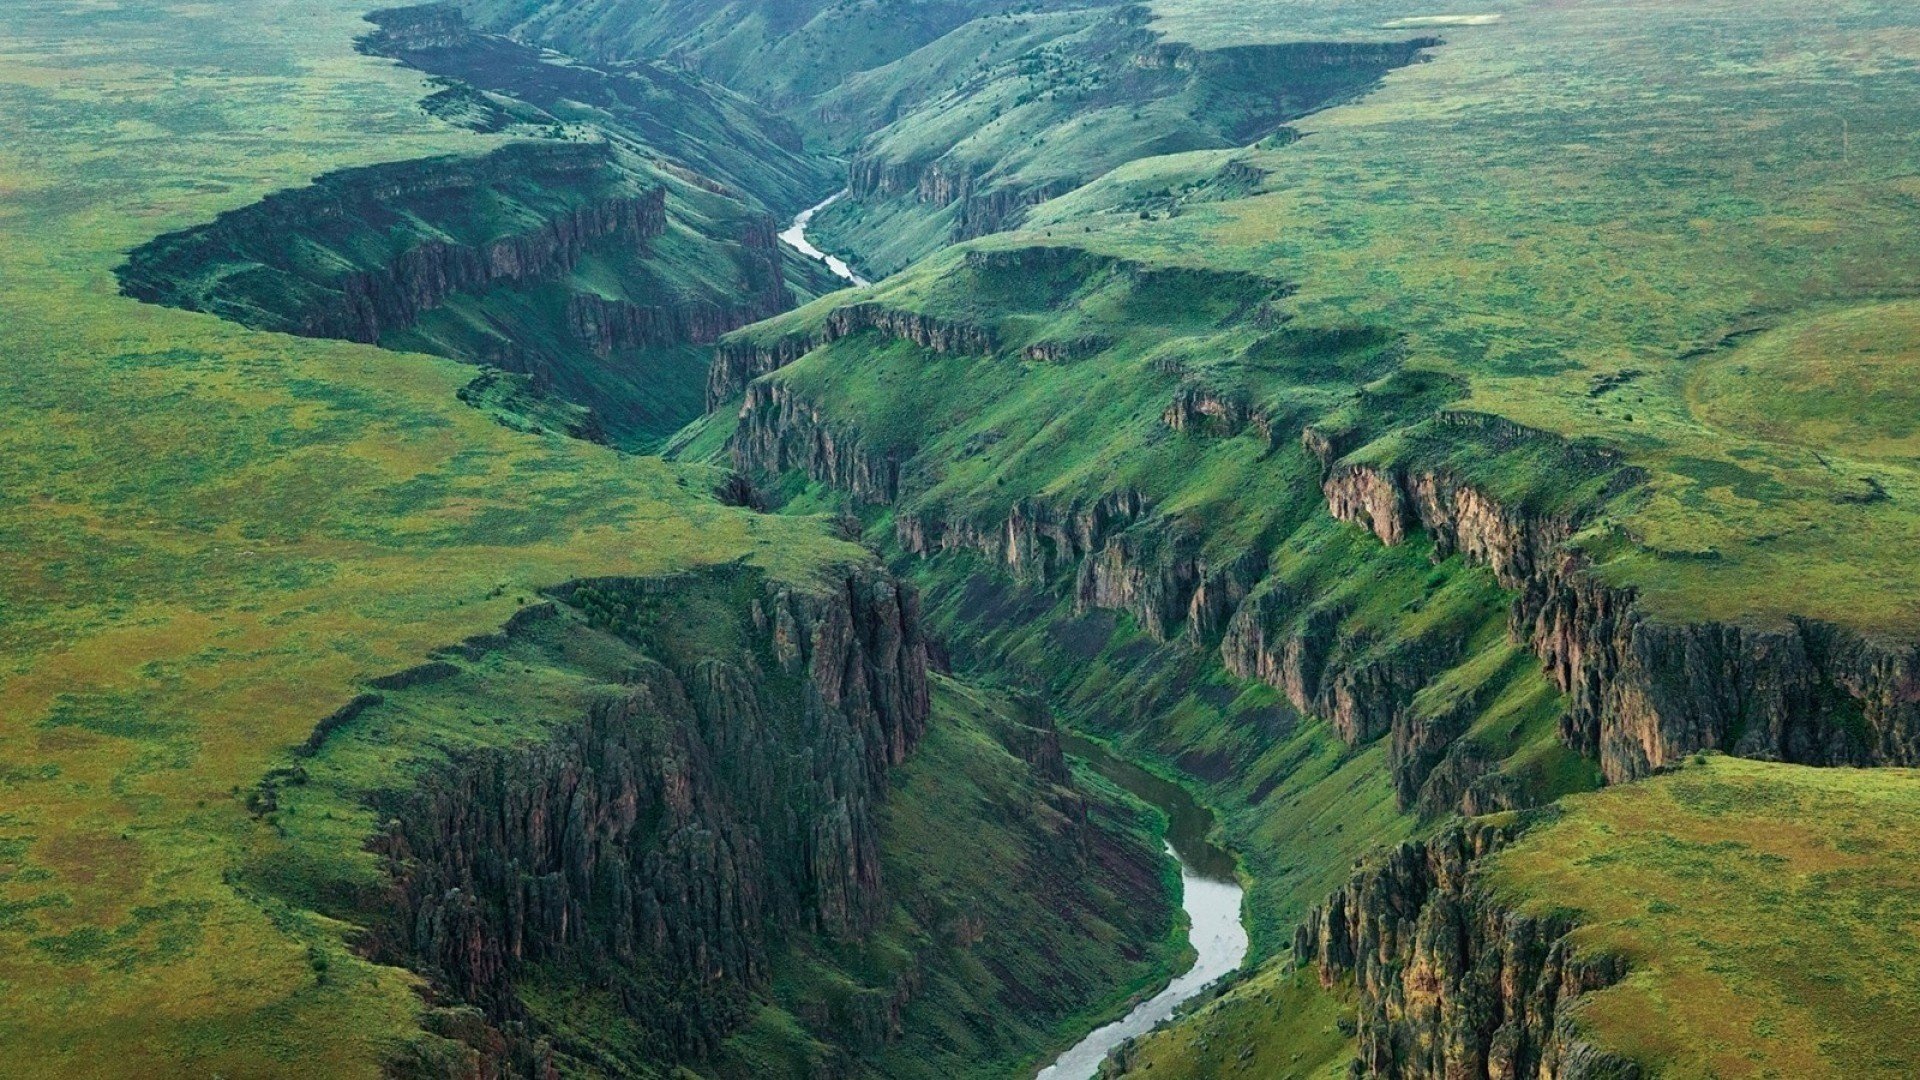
1765 912
212 536
1274 1024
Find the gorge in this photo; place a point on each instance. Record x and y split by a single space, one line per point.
1335 542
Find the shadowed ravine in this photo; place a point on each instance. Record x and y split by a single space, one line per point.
1209 893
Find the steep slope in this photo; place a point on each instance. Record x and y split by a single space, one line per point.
781 52
1052 101
673 821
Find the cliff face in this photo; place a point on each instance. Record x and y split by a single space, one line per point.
392 297
1363 688
663 845
1036 540
1013 134
737 363
1642 692
779 430
383 229
1451 985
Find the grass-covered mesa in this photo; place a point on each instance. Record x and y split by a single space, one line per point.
1471 447
1758 907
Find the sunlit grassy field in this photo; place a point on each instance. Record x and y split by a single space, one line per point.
1766 912
209 536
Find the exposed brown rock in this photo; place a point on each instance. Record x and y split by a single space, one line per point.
1453 985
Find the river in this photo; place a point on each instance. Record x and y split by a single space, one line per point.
1208 890
796 238
1209 893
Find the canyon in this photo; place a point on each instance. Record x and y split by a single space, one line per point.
676 538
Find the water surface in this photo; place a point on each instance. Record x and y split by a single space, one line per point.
796 238
1209 893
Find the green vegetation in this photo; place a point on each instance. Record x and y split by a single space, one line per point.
1589 259
1764 911
1640 271
1004 113
1275 1024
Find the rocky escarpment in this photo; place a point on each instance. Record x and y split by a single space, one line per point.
723 141
1453 985
1005 207
1200 409
660 847
781 430
1036 539
376 265
609 326
1644 692
737 363
1150 98
1363 687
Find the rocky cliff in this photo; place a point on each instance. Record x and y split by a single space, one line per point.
1452 985
662 845
1015 130
1644 692
380 256
780 431
738 362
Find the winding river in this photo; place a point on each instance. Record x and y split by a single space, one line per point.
795 237
1209 893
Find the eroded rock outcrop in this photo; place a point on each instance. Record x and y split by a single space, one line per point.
662 844
1036 539
1204 410
388 224
1644 692
781 430
1300 646
1452 984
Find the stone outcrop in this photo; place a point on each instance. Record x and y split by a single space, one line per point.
1035 540
1204 410
737 363
393 296
927 331
1004 207
607 326
1452 985
663 844
781 430
240 266
1644 692
1299 646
